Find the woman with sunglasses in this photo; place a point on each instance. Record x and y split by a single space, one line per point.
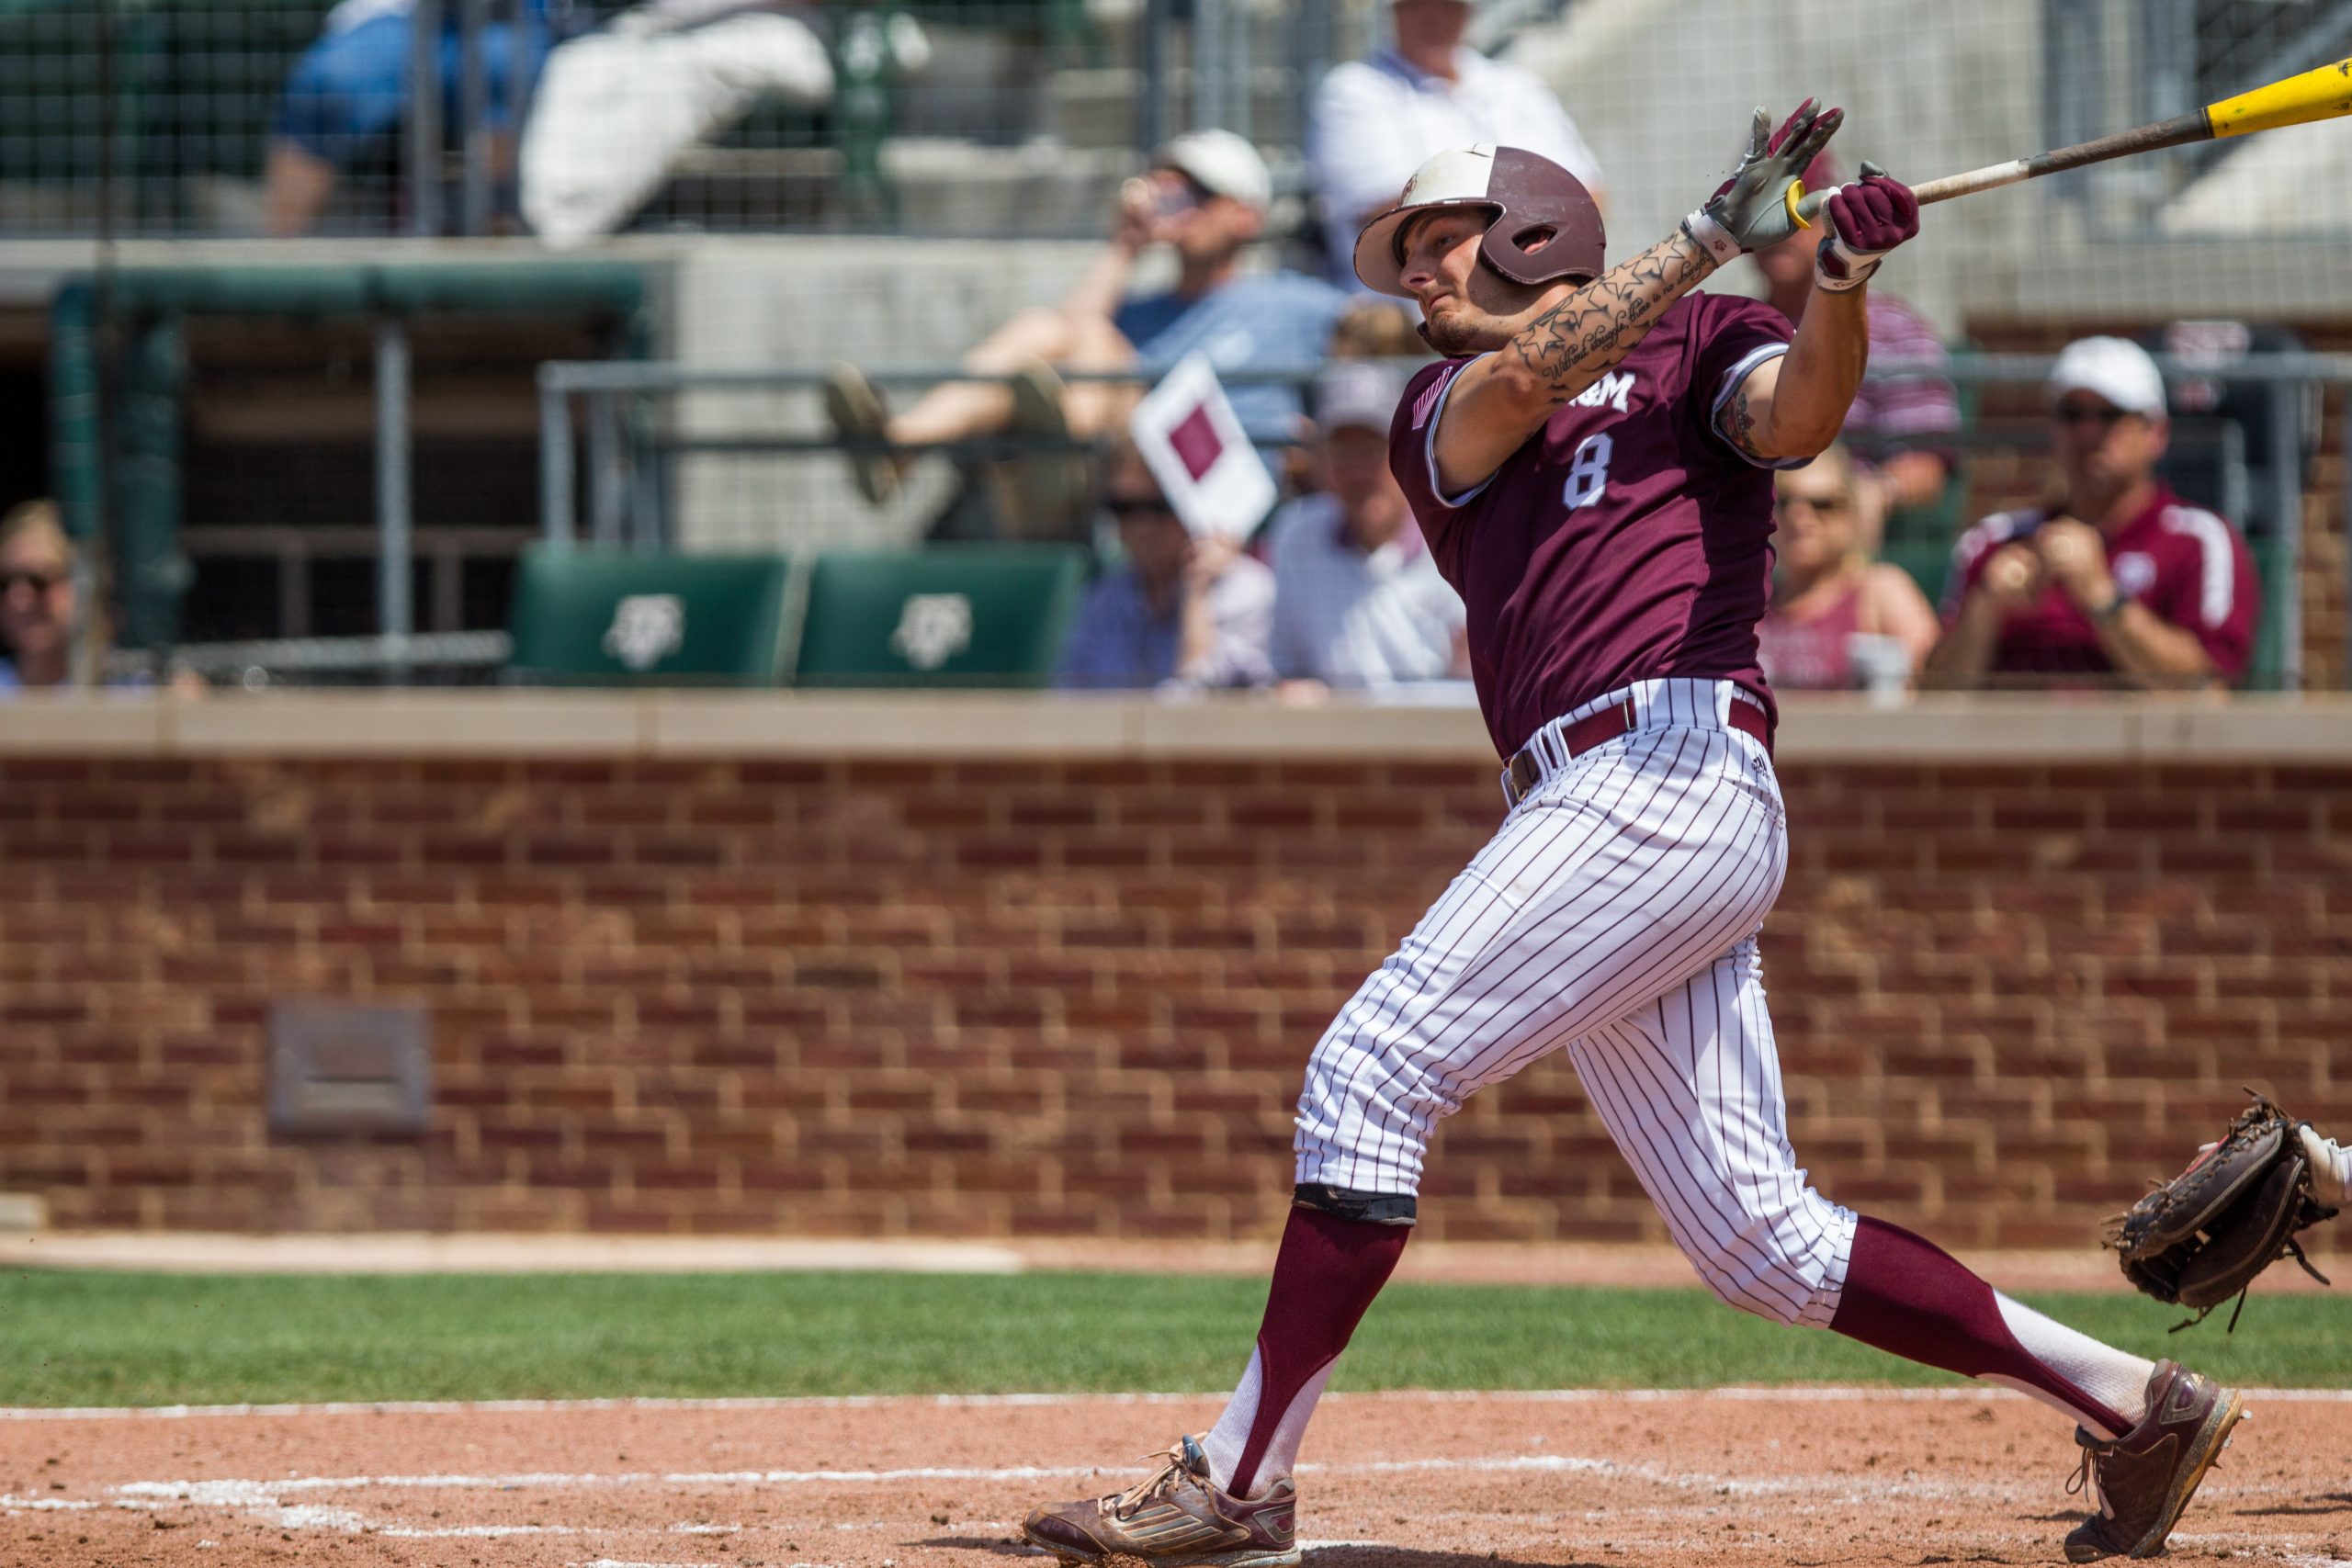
1834 609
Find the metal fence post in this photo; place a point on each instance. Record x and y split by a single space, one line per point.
473 118
2285 458
1208 63
394 613
425 118
605 481
557 508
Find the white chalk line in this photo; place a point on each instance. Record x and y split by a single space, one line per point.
266 1498
1823 1393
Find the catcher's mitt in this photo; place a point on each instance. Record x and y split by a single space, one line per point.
2201 1237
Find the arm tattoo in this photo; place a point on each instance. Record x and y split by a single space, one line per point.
1571 345
1738 422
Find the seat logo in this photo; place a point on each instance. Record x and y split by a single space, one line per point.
933 629
646 629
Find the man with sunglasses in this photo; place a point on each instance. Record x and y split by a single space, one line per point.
1181 612
2120 579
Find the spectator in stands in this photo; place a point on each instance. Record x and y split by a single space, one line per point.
348 94
1183 611
1373 122
37 598
1902 427
39 607
1838 618
1358 601
2119 576
1205 197
615 109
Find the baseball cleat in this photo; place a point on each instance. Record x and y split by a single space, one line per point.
858 415
1176 1517
2144 1479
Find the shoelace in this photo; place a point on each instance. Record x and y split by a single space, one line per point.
1120 1504
2087 1475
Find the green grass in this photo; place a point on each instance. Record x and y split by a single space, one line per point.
75 1338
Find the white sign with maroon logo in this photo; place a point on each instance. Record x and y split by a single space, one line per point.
1193 444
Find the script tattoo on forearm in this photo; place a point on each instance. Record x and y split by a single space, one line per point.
1572 342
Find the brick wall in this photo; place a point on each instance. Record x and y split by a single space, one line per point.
860 999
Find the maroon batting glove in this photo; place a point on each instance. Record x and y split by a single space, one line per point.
1872 216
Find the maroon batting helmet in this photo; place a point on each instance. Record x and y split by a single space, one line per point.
1544 229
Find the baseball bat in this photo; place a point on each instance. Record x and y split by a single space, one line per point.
2324 94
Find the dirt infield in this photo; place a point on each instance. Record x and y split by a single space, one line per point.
1755 1478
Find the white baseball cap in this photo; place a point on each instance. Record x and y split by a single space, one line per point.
1223 163
2115 368
1360 393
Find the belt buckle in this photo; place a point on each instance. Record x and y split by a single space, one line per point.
1514 788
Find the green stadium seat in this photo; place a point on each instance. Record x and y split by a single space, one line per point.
951 615
607 617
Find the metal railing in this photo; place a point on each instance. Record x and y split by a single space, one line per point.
616 479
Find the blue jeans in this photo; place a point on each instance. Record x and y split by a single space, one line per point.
350 88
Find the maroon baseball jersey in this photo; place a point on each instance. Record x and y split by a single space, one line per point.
1626 540
2184 563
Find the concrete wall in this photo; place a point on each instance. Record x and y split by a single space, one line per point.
1661 89
805 302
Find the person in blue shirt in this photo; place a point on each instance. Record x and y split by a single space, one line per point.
349 93
1181 612
1205 197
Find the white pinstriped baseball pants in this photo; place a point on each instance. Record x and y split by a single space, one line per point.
1615 913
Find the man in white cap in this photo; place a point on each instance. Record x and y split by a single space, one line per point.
1374 121
1205 197
1358 600
2119 579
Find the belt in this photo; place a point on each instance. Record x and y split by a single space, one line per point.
1526 768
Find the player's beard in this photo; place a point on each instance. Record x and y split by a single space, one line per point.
1459 333
1454 337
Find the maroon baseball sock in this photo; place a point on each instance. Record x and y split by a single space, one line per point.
1326 1275
1908 1296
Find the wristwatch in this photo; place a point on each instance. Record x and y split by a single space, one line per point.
2106 613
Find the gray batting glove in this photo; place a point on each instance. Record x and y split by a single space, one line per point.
1751 209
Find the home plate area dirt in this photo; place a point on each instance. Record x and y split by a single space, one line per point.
1606 1480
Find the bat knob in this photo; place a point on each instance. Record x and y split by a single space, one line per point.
1804 205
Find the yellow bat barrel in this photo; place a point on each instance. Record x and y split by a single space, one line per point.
2324 94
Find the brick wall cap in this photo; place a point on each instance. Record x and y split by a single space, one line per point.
1013 725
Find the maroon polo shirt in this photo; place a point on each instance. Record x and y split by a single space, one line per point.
1625 541
2182 562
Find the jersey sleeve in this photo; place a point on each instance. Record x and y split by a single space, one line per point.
1732 337
1412 456
2209 589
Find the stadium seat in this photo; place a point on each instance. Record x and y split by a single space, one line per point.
952 615
606 617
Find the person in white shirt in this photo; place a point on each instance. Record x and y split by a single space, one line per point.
1374 121
1358 602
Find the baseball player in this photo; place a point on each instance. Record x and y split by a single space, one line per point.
1591 466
